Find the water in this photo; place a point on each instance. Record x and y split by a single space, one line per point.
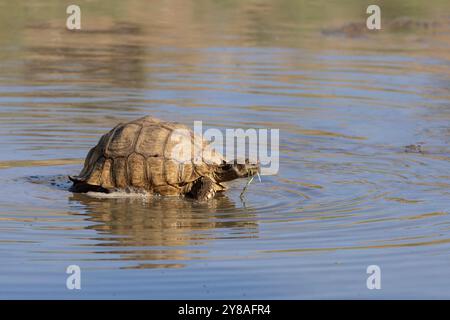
348 193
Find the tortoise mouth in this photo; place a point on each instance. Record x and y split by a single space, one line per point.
249 170
252 169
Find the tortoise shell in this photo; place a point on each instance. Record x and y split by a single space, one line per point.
149 154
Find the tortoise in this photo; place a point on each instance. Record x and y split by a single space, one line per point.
155 156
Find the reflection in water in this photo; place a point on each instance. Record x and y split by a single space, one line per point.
109 62
160 229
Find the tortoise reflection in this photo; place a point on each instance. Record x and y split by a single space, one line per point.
160 232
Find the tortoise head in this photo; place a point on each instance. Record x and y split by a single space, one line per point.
228 171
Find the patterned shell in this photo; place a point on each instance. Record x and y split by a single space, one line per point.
149 154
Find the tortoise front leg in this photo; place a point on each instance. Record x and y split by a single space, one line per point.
203 189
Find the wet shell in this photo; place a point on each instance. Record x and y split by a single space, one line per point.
149 154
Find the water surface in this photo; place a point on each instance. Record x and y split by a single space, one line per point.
348 193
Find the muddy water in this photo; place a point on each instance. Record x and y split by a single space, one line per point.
349 193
